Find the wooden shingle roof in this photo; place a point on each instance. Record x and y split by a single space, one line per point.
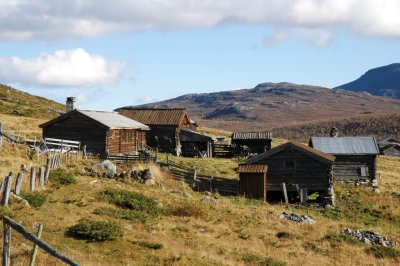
252 135
252 168
171 117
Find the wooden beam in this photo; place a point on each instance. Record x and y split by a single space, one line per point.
6 243
284 191
35 247
7 189
18 183
32 179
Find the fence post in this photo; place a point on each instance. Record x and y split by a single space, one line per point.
18 183
32 179
6 243
283 185
41 177
1 134
168 163
35 247
7 188
84 152
47 171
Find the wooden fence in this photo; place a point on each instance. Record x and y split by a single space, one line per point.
8 224
202 182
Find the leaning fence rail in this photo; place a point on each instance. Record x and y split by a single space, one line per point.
8 224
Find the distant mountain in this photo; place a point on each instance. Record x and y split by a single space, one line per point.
382 81
16 102
276 104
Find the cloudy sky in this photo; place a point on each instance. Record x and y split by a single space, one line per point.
124 52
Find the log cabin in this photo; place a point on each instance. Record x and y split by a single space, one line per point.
195 144
355 156
165 126
256 142
298 166
103 133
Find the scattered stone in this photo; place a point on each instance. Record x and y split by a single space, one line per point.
183 193
93 181
106 168
370 237
291 216
19 199
209 200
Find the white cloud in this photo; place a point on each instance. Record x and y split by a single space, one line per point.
27 19
71 68
275 39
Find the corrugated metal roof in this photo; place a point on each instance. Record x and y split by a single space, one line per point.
321 156
252 135
252 168
345 145
113 120
155 116
190 135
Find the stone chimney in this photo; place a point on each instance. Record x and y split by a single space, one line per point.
70 105
334 132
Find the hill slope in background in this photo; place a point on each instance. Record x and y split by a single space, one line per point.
275 104
383 81
16 102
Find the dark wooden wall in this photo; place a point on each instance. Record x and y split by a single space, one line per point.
347 167
393 151
308 172
77 128
255 145
253 185
192 148
125 141
167 137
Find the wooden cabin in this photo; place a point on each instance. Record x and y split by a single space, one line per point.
296 165
165 125
389 147
256 142
355 156
253 181
195 144
103 133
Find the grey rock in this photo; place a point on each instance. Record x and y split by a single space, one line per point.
291 216
209 200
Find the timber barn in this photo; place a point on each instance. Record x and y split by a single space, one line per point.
195 144
355 156
292 165
103 133
165 126
256 142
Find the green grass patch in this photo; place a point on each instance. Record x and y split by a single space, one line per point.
59 177
131 201
95 231
130 215
339 238
255 259
35 199
190 208
383 252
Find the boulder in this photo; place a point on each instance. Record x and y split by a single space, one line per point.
106 168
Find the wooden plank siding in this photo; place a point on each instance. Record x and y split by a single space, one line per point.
125 141
348 167
253 185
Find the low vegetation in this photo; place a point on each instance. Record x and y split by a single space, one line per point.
95 231
35 199
382 252
60 177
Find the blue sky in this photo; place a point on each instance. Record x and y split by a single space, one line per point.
110 54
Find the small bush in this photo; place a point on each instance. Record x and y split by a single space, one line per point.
383 252
95 231
339 238
122 214
252 258
150 245
131 200
59 177
284 235
35 199
190 208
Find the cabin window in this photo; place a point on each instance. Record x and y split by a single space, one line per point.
290 166
364 171
126 136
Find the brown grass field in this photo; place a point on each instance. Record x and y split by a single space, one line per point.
235 231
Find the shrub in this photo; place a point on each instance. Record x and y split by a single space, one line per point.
131 200
284 235
383 252
190 208
340 238
35 199
122 214
150 245
95 231
59 177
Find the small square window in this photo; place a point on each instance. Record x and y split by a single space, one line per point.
364 171
290 166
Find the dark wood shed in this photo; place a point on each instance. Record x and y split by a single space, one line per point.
103 133
355 156
165 125
195 144
253 181
256 142
298 167
389 147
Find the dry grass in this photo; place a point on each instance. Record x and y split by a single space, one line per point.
224 234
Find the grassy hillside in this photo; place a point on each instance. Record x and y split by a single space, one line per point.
19 103
380 126
186 231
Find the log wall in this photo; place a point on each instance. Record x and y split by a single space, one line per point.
348 167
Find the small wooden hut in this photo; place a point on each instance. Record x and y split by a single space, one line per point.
256 142
293 164
103 133
165 125
355 156
195 144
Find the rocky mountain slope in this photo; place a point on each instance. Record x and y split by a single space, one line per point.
383 81
276 104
